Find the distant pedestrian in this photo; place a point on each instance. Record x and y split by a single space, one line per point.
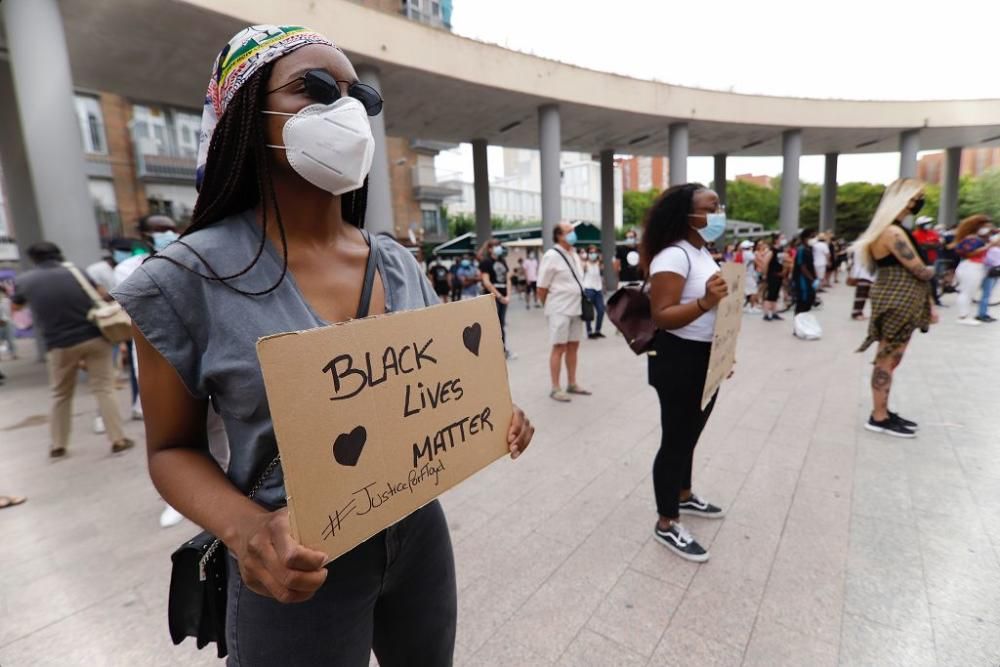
749 261
531 281
7 329
685 288
440 279
901 296
62 307
468 276
821 259
989 283
495 277
593 288
804 274
929 243
559 288
773 277
972 242
626 263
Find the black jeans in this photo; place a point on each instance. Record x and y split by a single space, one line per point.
677 372
502 314
394 594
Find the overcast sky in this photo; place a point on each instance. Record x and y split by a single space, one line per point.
856 49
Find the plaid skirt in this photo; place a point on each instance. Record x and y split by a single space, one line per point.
900 304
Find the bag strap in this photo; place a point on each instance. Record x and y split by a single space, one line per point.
366 290
85 284
571 270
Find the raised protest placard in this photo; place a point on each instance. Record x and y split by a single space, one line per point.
377 417
728 318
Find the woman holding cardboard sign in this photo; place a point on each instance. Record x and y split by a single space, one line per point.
685 288
276 244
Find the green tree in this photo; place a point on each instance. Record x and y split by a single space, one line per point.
809 205
635 205
932 200
983 196
856 204
752 203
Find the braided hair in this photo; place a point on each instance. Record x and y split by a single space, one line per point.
238 174
667 220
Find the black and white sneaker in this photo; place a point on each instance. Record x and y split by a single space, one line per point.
681 542
908 423
695 506
889 426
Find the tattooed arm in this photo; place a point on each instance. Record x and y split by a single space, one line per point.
904 251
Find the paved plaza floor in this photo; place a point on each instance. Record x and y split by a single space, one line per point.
840 547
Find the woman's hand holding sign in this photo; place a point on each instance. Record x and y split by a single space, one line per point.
520 433
272 563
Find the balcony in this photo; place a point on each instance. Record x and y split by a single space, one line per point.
427 187
165 168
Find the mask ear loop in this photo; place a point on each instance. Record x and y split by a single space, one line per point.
276 113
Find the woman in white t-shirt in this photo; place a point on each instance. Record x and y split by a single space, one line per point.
593 289
685 287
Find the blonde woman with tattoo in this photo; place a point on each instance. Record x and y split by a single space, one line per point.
901 296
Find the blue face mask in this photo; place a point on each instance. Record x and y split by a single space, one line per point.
120 255
162 239
466 263
715 228
498 251
571 238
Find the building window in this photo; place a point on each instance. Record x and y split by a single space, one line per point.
149 130
435 9
88 112
432 222
188 128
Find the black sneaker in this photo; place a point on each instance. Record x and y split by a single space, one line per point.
776 316
695 506
681 542
908 423
889 426
986 318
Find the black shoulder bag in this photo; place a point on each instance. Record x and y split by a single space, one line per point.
586 307
196 605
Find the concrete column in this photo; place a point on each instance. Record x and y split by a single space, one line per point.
909 144
16 175
719 179
481 186
678 136
378 217
550 145
948 209
828 201
791 150
43 85
608 218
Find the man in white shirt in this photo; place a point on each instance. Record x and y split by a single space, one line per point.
559 288
821 258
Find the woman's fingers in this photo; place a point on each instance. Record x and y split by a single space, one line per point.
520 433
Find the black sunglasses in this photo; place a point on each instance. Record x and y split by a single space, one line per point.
320 86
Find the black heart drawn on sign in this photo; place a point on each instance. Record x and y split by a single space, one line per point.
471 337
347 447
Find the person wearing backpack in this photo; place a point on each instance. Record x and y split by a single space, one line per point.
685 288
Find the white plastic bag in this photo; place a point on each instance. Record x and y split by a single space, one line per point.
807 327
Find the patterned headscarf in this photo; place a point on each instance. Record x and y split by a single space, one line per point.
248 51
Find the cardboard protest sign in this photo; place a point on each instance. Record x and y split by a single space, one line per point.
377 417
728 318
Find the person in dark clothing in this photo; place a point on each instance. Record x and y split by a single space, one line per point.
804 274
627 259
59 303
495 277
440 278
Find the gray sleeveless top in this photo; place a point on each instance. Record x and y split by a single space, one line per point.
209 333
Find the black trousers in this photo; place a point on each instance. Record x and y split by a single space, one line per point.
677 372
394 594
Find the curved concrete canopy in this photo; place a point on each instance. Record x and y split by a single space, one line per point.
442 86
